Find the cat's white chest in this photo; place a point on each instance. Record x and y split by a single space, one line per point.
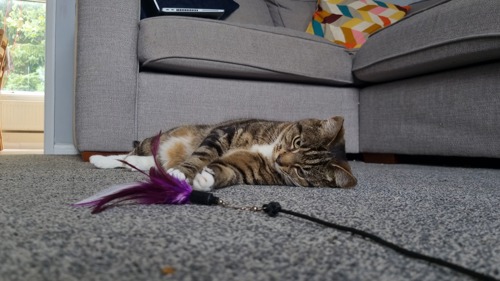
265 150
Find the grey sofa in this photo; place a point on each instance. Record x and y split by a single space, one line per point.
427 85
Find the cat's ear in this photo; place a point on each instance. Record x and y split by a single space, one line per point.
342 175
333 125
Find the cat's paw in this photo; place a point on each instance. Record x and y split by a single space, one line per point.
176 174
106 162
143 163
204 181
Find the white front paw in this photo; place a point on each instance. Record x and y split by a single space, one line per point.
176 174
204 181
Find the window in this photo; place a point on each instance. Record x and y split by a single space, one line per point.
24 24
22 89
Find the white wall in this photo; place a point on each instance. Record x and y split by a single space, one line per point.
59 105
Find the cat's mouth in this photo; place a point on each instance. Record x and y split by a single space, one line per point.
283 166
277 160
285 158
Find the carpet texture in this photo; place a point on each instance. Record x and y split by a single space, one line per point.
450 213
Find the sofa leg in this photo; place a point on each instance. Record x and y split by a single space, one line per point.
382 158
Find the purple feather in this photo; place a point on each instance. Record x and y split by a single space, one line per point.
159 188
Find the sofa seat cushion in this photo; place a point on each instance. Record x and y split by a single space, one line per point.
450 35
196 46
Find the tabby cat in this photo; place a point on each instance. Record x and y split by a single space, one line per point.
308 152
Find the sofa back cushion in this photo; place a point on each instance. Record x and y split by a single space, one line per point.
251 12
293 14
452 34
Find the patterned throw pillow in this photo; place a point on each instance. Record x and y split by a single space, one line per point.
350 22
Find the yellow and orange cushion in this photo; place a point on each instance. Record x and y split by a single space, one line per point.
350 22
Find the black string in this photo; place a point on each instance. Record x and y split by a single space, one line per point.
273 208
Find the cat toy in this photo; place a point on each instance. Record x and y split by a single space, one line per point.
158 188
162 188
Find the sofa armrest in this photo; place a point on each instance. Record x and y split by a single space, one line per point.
106 79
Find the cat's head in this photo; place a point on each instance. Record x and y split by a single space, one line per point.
311 152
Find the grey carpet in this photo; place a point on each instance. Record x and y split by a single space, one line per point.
450 213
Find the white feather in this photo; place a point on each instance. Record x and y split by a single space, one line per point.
110 190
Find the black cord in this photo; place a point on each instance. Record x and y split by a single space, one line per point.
273 208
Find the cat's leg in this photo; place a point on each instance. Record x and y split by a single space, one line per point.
211 148
141 162
240 167
107 162
112 161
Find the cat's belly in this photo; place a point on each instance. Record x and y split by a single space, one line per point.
175 150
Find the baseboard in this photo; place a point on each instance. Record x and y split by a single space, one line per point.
65 148
432 160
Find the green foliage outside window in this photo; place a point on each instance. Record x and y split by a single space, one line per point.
24 23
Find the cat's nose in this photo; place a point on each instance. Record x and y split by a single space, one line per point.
278 160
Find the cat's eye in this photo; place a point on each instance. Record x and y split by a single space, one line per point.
297 142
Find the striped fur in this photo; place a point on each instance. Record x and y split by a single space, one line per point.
308 152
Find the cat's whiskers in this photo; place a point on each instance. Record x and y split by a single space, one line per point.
290 181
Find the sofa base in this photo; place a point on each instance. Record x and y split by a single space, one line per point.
206 100
453 113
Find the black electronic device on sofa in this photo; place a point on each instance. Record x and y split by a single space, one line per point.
213 9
